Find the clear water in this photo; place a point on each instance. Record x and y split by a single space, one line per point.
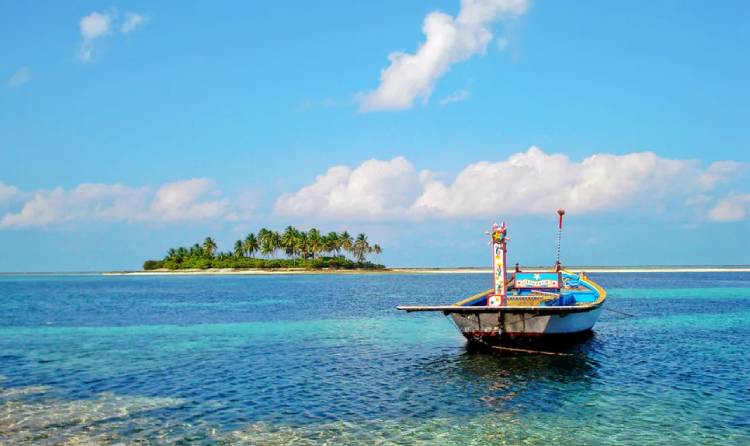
327 360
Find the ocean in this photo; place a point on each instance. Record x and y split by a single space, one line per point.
326 359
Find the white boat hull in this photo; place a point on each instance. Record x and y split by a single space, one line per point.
505 324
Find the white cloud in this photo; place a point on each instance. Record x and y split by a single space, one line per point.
456 96
93 26
85 202
535 182
732 208
722 172
375 189
448 41
132 21
531 182
8 192
99 24
186 200
20 77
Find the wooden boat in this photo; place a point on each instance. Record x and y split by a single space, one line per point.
554 305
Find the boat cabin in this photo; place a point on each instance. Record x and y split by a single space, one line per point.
538 288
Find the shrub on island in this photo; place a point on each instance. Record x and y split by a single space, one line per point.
253 263
302 250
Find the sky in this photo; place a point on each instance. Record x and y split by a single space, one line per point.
127 128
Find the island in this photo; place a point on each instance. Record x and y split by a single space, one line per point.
299 250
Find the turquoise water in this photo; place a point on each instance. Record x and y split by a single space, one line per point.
327 360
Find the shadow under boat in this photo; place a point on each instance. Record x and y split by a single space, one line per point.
558 344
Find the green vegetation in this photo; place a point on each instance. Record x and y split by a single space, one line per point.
300 249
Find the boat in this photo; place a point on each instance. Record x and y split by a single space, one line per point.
552 305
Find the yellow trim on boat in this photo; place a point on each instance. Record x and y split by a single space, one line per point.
581 276
476 296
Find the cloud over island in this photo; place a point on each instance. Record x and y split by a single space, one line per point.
525 183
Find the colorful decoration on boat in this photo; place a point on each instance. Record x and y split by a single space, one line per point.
498 234
499 240
537 280
495 301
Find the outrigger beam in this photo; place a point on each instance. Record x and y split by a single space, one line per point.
485 309
449 308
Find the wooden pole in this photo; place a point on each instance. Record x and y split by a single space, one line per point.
560 213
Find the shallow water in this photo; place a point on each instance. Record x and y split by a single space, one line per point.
327 360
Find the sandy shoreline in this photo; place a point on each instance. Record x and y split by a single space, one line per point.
282 271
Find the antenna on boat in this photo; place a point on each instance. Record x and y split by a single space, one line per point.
560 213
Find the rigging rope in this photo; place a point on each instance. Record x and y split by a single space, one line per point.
524 350
619 312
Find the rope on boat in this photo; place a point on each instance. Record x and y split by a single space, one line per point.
521 350
525 350
619 312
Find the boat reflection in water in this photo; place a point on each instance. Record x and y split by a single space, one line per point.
517 383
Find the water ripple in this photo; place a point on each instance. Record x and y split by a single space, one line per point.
91 360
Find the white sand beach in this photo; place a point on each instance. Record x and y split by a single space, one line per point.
588 269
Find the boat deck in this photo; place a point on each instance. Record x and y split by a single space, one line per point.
577 293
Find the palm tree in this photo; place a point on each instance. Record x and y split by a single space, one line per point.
347 243
361 247
332 243
209 247
171 254
196 250
180 255
314 241
377 249
239 249
302 245
270 241
251 244
275 242
264 241
289 240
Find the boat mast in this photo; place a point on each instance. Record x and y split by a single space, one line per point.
560 213
498 242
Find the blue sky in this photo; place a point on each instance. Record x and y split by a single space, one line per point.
128 128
